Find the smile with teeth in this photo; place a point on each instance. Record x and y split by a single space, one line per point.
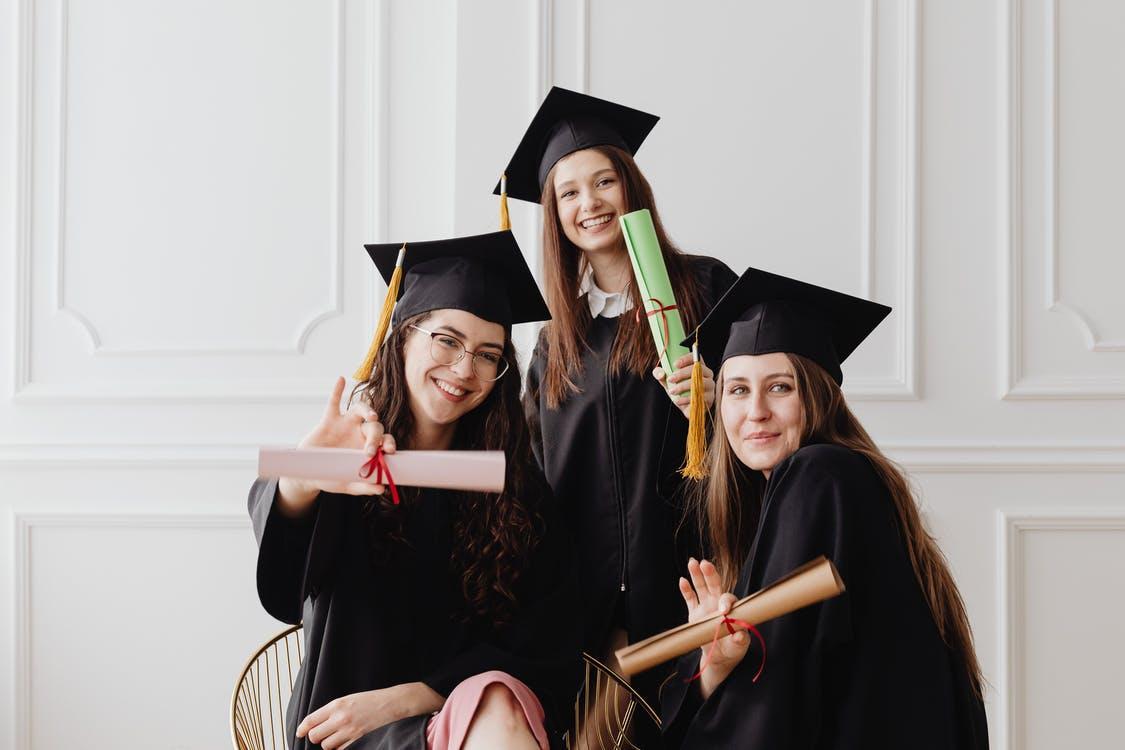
449 388
596 221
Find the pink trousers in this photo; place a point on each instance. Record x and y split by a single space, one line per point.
448 727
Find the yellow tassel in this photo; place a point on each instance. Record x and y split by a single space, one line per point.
363 373
697 421
505 222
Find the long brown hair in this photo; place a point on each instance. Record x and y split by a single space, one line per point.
727 504
633 349
494 534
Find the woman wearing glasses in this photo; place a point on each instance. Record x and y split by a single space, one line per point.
439 621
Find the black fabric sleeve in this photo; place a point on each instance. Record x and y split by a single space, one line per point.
680 699
291 566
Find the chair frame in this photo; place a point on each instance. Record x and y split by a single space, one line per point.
252 722
240 721
620 738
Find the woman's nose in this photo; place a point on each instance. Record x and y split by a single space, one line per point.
757 410
464 367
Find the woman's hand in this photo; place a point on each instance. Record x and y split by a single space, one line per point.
341 722
359 428
704 597
678 384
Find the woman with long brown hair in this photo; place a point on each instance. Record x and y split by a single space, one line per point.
608 431
792 476
432 618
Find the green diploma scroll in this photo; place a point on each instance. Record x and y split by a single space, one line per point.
654 286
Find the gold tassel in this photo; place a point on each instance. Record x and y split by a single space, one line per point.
363 373
505 222
697 421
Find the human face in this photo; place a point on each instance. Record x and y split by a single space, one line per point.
442 394
589 198
762 415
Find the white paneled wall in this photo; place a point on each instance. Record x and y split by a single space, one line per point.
185 189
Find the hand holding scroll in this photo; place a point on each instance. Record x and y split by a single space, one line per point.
705 598
678 384
357 428
813 582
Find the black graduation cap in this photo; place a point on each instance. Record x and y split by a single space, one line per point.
484 274
764 312
568 121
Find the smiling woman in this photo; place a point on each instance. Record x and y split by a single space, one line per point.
608 431
588 195
761 413
793 476
447 602
444 380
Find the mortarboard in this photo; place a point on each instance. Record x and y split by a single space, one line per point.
763 312
568 121
484 274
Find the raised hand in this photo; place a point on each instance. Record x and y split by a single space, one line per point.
704 597
358 428
678 384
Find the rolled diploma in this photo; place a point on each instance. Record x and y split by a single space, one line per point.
653 283
475 471
813 582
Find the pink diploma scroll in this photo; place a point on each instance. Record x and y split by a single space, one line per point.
475 471
811 583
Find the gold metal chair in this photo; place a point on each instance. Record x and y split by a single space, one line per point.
605 710
261 693
606 706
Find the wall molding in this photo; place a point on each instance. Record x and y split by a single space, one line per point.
1002 458
1011 526
23 525
377 172
870 98
165 393
1014 383
24 389
1055 303
903 384
582 10
24 206
334 239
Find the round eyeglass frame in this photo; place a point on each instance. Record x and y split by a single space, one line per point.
503 365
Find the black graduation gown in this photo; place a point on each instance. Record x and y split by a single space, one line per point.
367 629
866 669
611 454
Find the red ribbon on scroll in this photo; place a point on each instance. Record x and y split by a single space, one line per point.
377 465
662 310
731 622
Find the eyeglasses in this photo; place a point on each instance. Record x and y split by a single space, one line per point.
447 350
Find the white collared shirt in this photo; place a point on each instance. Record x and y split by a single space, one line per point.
602 303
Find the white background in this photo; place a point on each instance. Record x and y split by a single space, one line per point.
185 189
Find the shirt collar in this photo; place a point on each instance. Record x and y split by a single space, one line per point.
604 304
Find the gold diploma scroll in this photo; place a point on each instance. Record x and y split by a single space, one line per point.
813 582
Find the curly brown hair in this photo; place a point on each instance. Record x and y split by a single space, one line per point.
495 534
